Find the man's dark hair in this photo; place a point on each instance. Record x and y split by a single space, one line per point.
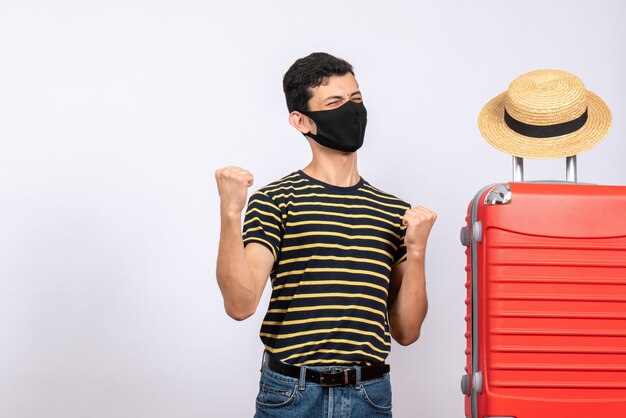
308 73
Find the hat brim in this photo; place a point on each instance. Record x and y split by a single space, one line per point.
499 135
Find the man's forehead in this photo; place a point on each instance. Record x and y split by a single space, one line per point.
337 84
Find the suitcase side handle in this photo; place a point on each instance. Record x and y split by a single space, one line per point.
570 169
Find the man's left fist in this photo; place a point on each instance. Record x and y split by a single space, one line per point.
418 222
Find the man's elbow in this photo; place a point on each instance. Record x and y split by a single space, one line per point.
407 339
239 313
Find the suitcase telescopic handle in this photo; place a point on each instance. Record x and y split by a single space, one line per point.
570 169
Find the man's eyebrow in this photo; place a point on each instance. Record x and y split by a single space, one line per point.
341 97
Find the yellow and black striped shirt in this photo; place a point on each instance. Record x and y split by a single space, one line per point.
334 248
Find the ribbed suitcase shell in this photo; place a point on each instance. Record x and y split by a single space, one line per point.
549 298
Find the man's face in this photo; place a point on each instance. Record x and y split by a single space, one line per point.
331 94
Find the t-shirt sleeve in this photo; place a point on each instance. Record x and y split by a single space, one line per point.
401 253
263 223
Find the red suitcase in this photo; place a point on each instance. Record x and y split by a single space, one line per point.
546 301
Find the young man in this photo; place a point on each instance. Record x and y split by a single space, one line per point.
346 260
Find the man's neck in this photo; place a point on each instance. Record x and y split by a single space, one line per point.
337 169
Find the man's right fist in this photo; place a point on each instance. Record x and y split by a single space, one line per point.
232 185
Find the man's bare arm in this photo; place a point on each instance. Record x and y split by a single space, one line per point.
241 271
408 302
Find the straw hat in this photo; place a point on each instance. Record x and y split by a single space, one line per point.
545 114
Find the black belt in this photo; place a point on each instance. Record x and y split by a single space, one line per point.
326 378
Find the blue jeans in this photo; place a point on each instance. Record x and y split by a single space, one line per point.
286 397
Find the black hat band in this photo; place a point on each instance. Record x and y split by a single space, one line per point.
548 131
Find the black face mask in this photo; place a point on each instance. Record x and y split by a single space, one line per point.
342 129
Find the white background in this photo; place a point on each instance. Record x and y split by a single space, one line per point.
114 116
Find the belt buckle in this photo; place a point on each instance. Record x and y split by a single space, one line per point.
333 378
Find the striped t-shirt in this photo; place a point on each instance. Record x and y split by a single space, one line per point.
334 248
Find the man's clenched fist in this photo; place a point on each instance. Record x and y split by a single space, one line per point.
418 222
232 185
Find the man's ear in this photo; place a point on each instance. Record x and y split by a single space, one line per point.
300 122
